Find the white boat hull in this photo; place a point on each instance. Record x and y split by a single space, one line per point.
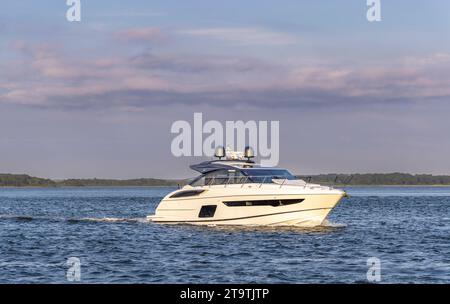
312 209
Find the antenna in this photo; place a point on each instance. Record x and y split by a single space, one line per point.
220 152
249 153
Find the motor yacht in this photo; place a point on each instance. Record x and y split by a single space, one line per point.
234 190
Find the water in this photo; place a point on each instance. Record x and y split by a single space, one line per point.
407 228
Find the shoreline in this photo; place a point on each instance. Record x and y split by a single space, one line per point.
165 186
99 186
9 180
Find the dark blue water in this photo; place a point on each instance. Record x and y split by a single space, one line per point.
407 228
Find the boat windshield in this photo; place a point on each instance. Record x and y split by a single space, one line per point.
266 175
242 176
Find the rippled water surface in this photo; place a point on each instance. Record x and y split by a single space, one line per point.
407 228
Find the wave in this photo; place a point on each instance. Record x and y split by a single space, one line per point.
25 217
114 220
325 226
327 223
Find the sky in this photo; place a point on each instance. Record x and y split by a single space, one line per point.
97 98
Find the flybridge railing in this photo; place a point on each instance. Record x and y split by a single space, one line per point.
249 179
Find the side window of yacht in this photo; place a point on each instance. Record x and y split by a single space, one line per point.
266 175
198 182
219 177
236 177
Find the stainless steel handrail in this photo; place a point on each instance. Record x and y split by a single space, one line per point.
246 178
242 180
260 185
211 181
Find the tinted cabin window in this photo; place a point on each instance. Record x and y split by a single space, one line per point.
236 177
220 177
212 178
266 175
200 181
239 176
186 193
207 211
273 203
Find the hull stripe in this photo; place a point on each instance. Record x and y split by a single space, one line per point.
242 218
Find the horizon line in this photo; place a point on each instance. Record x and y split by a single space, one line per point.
185 178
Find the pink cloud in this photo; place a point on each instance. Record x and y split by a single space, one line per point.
243 35
141 34
47 77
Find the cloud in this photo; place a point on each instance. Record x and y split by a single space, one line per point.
189 63
46 77
144 34
243 35
132 14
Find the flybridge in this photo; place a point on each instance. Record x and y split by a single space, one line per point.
237 135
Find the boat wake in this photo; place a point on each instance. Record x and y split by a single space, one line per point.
113 220
74 220
325 227
327 223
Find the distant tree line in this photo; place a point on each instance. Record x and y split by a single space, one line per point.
117 182
379 179
23 180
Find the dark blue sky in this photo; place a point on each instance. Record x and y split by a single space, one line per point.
97 98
